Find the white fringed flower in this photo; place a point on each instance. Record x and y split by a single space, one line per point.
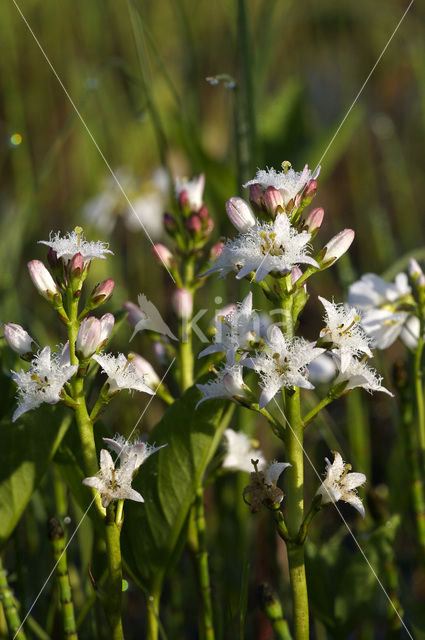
43 381
383 305
274 471
126 450
344 332
283 363
122 373
112 483
288 181
358 374
235 330
339 484
266 247
228 384
240 452
73 242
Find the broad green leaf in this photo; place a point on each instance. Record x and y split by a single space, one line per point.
153 532
26 448
343 588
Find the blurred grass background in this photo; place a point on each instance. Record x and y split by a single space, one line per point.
137 73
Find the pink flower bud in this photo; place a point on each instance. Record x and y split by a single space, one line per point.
193 224
310 190
256 196
88 337
18 339
102 292
216 250
76 265
337 246
160 352
240 214
163 254
203 212
42 279
182 302
314 220
135 314
296 274
183 198
52 259
169 223
273 199
145 370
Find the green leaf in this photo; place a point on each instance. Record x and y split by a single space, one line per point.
154 532
26 448
342 586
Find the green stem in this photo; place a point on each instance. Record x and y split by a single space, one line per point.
185 333
203 569
57 539
313 413
273 611
9 607
419 390
113 549
152 622
295 490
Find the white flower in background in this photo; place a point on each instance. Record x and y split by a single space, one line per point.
228 384
240 452
283 363
358 374
383 306
126 450
235 330
18 339
146 317
112 483
266 247
339 484
145 370
344 332
43 381
287 181
194 190
122 373
147 202
323 369
73 242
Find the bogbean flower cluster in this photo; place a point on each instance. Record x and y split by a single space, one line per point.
274 249
59 376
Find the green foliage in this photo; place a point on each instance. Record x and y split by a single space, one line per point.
343 588
26 448
154 533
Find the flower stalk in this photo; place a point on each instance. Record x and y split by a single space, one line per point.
9 607
203 569
113 603
58 542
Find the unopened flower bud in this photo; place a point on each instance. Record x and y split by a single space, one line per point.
102 292
160 352
88 337
314 221
336 247
273 199
416 273
145 370
182 302
76 265
107 323
163 254
18 339
170 224
52 259
256 196
193 224
42 279
240 214
216 250
310 190
296 274
203 212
